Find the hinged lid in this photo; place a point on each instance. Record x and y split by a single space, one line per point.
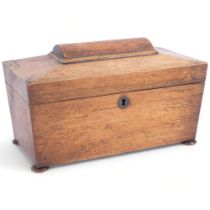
116 67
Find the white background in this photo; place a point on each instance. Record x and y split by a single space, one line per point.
176 177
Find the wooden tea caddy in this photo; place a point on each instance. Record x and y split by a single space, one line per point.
97 99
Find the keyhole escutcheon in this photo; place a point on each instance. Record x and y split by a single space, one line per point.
123 102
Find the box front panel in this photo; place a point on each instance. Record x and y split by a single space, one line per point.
74 130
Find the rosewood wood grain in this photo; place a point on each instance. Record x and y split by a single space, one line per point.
43 80
88 128
90 51
63 113
52 91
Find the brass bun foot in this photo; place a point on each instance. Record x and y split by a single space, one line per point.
15 142
39 169
189 142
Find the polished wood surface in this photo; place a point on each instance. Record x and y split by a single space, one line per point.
64 113
88 128
42 79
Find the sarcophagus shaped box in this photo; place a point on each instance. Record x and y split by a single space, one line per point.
96 99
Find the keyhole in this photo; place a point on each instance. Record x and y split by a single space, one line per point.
123 102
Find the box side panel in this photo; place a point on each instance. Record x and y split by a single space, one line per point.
88 128
21 120
14 80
